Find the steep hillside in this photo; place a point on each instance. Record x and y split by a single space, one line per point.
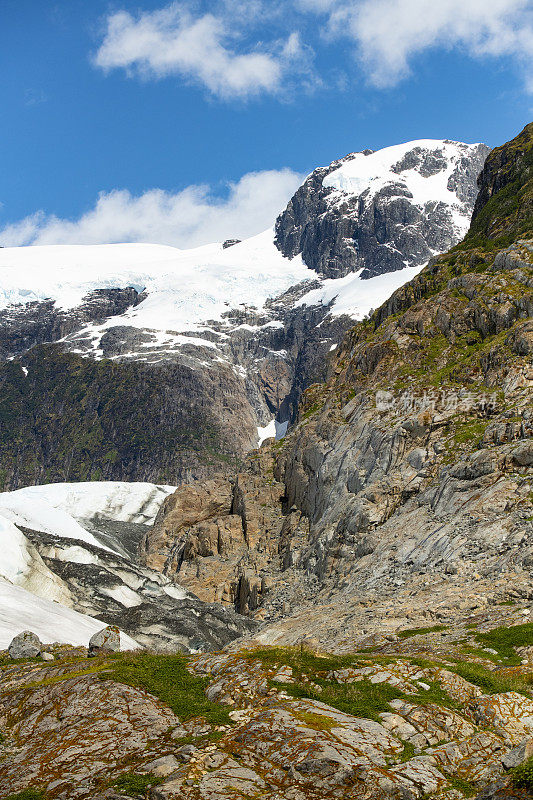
144 362
404 494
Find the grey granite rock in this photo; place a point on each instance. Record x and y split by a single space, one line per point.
105 641
25 645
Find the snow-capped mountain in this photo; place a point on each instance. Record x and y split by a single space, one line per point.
207 348
69 565
145 362
378 212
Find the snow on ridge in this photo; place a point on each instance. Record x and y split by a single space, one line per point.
21 610
355 296
185 287
374 171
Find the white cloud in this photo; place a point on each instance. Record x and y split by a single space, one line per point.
188 218
389 33
201 48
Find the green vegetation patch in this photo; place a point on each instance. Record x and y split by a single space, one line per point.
522 775
27 794
465 787
408 632
133 784
469 432
301 660
408 752
167 678
490 682
505 639
360 698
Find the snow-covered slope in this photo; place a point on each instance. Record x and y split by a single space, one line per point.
21 610
117 500
184 288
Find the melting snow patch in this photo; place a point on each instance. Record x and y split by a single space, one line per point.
20 610
27 509
274 430
281 429
76 555
16 560
116 500
177 592
123 595
268 432
356 297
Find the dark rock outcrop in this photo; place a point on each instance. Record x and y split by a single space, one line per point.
339 231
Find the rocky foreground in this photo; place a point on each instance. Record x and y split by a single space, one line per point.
429 713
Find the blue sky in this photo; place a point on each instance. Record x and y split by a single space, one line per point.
186 122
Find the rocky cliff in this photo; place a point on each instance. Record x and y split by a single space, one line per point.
408 476
372 212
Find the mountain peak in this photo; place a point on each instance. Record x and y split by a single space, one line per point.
380 211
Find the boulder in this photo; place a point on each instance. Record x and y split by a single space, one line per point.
105 641
25 645
47 656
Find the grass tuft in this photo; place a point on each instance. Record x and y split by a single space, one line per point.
132 784
505 639
490 682
407 632
167 677
522 775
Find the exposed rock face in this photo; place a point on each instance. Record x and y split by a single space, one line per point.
412 460
25 645
341 227
221 540
22 327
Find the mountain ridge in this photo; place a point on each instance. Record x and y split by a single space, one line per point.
196 352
